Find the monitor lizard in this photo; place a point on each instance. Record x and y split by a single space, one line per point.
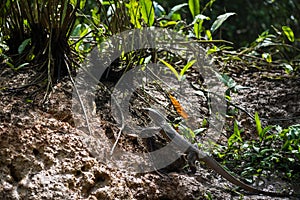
196 154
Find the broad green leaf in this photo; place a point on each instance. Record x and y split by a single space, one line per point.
73 2
158 9
170 67
82 4
176 17
23 45
175 9
147 11
220 20
289 33
194 6
257 149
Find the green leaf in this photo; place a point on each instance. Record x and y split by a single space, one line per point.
199 18
220 20
134 13
175 9
64 12
198 27
194 6
267 57
236 136
82 4
208 34
147 11
228 81
168 23
258 125
170 67
288 68
159 10
23 45
176 17
212 50
257 149
289 33
237 132
21 66
29 100
186 67
199 130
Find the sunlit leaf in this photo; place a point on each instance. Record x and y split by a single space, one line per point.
186 67
175 9
220 20
199 130
258 124
158 9
267 57
212 50
289 33
198 27
134 13
288 68
147 11
82 4
200 17
176 17
168 23
208 34
194 6
170 67
236 136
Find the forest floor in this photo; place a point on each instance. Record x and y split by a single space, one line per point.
43 155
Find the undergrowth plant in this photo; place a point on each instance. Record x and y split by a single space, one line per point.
272 49
38 31
275 150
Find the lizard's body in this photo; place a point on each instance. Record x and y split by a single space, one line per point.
196 154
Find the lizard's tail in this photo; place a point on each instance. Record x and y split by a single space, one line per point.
213 164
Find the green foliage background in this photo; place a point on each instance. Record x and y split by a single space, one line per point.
253 17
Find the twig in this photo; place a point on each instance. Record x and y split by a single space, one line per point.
80 100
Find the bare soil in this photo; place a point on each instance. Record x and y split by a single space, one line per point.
43 155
